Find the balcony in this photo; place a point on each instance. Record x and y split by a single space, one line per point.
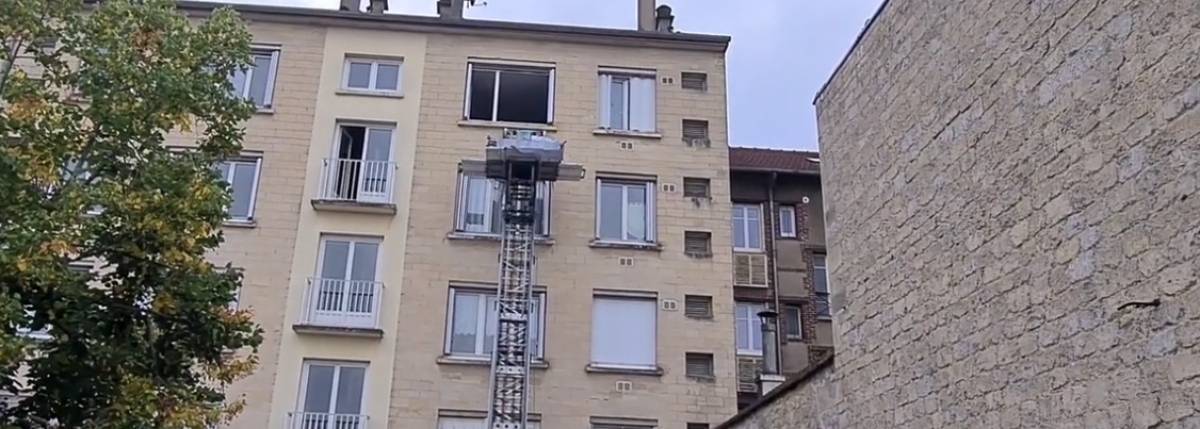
341 307
302 420
356 185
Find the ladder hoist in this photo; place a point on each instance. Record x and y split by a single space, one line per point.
519 161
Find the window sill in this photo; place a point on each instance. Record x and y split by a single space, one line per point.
627 133
601 244
746 354
695 255
595 368
265 111
702 378
239 223
369 93
483 361
466 236
475 123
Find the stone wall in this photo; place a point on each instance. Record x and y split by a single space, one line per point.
1013 220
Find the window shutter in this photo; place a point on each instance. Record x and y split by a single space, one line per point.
699 365
602 101
624 331
697 306
642 104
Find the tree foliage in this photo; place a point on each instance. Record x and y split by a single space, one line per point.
90 94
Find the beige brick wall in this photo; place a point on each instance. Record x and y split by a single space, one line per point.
1004 183
565 394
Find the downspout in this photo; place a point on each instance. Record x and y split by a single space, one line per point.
775 265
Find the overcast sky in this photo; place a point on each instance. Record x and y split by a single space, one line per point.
782 50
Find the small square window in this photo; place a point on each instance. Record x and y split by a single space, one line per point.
372 75
787 221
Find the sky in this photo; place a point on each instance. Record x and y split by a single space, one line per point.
781 54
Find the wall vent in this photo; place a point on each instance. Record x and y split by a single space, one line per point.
625 145
624 386
669 188
670 305
625 262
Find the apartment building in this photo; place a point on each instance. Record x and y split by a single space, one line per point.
778 234
370 258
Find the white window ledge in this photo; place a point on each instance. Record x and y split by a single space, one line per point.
483 361
627 133
598 368
501 124
241 223
369 93
467 236
606 244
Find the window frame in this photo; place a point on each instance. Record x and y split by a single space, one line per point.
753 308
268 102
604 113
788 212
305 373
353 240
230 176
822 296
744 208
793 315
372 82
644 299
651 209
539 296
545 191
498 68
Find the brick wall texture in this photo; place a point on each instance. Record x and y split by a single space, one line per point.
1005 182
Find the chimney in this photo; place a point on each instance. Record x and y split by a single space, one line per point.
770 378
450 9
351 6
663 20
645 15
377 7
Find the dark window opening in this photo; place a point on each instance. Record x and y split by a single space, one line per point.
509 94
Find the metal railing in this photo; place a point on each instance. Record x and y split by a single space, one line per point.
340 303
357 180
302 420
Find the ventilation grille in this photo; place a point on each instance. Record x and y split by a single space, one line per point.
749 269
748 369
696 187
697 243
626 145
698 306
694 81
699 365
669 188
624 386
670 305
695 129
625 262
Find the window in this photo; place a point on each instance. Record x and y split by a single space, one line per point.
694 81
749 328
787 221
624 332
821 287
361 168
697 306
371 75
697 243
473 321
792 323
696 187
331 396
694 425
510 93
481 206
241 175
747 228
699 365
627 103
76 170
447 422
346 293
258 82
625 211
695 129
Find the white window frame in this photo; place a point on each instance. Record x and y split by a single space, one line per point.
742 211
796 319
545 192
500 68
787 221
635 83
744 310
231 175
538 351
353 240
333 389
268 101
372 85
651 209
624 365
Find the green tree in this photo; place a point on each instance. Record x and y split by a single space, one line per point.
89 95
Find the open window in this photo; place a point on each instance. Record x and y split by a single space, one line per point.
361 169
509 93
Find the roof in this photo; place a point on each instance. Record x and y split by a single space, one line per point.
780 392
774 160
857 40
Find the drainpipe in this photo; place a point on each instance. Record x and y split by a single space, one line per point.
775 305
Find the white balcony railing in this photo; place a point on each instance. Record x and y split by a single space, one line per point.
357 180
338 303
301 420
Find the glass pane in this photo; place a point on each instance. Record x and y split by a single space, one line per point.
259 79
350 390
366 256
464 323
535 324
334 264
743 330
635 214
387 77
318 389
223 170
793 321
243 190
379 144
489 325
618 92
359 76
753 233
739 231
475 217
611 202
820 281
497 203
239 83
483 94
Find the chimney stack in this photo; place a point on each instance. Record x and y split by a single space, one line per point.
377 7
663 20
770 378
351 6
450 9
645 15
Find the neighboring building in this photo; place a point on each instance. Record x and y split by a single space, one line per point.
779 260
1012 221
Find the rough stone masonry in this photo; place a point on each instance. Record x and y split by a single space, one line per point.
1014 220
